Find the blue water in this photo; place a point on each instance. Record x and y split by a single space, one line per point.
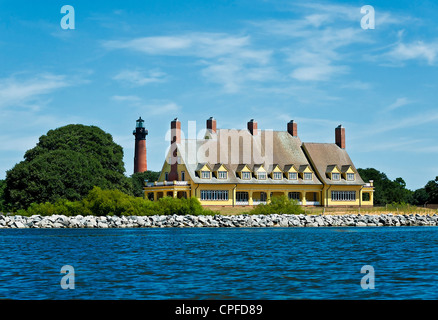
220 263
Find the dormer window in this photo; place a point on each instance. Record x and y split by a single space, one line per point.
277 175
261 175
293 176
246 175
336 176
350 177
307 175
222 175
205 174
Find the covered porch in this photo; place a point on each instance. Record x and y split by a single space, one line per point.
255 197
175 189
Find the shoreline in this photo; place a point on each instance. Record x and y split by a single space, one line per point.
216 221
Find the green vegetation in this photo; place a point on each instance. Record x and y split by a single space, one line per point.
66 164
100 202
138 181
279 205
2 197
388 191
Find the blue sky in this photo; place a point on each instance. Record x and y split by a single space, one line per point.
234 60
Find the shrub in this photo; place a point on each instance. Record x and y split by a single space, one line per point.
100 202
278 205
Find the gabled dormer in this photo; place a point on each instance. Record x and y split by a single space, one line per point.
260 172
244 172
348 173
305 172
204 171
276 172
333 172
220 171
291 172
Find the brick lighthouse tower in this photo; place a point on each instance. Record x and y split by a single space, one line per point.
140 160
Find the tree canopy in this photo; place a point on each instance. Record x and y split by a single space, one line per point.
66 163
138 181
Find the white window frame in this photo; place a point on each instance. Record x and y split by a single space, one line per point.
205 174
306 174
295 174
214 195
277 175
349 175
222 174
336 176
261 175
246 175
343 195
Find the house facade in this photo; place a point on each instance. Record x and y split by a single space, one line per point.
229 167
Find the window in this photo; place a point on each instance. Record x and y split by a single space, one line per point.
166 175
205 174
277 175
293 176
222 174
183 176
263 196
241 196
343 195
246 175
350 176
294 195
261 175
307 176
336 176
218 195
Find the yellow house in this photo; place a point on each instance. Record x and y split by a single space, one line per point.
248 167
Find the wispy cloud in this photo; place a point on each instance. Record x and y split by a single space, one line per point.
23 92
151 108
417 50
139 78
400 102
228 60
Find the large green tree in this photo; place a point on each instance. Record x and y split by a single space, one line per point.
66 163
431 189
386 190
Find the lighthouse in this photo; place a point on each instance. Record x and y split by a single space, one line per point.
140 160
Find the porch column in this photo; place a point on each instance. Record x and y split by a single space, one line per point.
250 198
155 196
268 197
303 200
175 194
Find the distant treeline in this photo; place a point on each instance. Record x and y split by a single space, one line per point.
388 191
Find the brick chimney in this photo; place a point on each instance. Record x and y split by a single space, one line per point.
292 128
252 127
211 124
175 132
340 136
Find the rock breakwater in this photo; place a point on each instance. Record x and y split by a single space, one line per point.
243 221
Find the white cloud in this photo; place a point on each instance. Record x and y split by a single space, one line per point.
138 78
24 92
400 102
152 108
418 50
